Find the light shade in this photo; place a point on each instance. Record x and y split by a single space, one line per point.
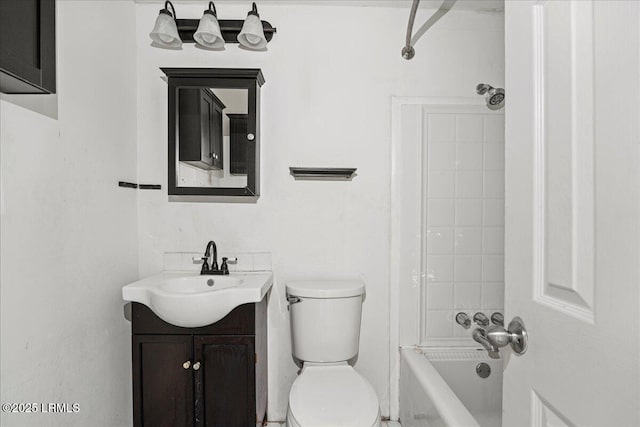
165 31
208 33
252 34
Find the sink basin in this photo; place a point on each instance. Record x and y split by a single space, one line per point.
198 284
190 300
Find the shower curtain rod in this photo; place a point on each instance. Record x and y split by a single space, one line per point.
408 51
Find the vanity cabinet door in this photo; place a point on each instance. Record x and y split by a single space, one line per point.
162 383
225 382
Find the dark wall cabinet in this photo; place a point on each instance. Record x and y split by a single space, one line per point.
214 376
27 46
200 128
239 89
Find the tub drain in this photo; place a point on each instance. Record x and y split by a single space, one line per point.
483 370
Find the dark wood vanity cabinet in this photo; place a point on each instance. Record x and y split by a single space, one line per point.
27 46
200 130
213 376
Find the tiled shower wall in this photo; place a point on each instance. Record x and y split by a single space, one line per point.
464 221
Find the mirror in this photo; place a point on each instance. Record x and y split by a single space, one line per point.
208 154
213 133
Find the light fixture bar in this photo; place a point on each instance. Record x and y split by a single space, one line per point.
230 29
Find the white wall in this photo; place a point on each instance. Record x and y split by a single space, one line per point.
330 73
69 233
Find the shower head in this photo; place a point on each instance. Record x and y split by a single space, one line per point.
494 96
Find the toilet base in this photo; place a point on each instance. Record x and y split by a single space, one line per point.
291 422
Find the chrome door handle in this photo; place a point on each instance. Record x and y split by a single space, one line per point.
196 366
187 364
515 335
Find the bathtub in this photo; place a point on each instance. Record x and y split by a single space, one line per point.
440 387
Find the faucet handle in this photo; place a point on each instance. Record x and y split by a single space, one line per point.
481 319
463 320
224 267
497 319
205 265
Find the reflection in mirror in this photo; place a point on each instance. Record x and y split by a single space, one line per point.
212 137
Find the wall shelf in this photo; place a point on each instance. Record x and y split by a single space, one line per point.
329 174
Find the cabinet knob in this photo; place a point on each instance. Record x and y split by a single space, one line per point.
251 136
187 364
196 366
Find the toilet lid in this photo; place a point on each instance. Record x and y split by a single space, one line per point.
333 396
325 288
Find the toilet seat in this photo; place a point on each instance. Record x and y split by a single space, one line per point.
332 396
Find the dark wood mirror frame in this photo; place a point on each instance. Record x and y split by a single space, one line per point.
224 78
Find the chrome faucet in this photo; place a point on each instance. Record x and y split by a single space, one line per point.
480 335
223 270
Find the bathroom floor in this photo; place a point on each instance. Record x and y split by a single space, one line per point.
384 424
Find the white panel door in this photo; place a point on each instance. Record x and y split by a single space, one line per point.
572 238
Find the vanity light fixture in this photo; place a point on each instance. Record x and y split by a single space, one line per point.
252 34
208 33
165 31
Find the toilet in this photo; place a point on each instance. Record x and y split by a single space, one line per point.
325 334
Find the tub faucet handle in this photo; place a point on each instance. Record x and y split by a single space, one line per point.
497 319
481 319
463 320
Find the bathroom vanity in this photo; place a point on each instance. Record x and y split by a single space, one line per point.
214 375
199 345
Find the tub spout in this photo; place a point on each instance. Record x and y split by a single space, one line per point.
480 335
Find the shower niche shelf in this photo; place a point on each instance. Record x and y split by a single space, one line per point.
325 174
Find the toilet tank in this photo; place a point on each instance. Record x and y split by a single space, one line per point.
325 319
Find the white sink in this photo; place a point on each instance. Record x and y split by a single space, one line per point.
190 300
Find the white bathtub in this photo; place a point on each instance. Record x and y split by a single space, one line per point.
441 388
